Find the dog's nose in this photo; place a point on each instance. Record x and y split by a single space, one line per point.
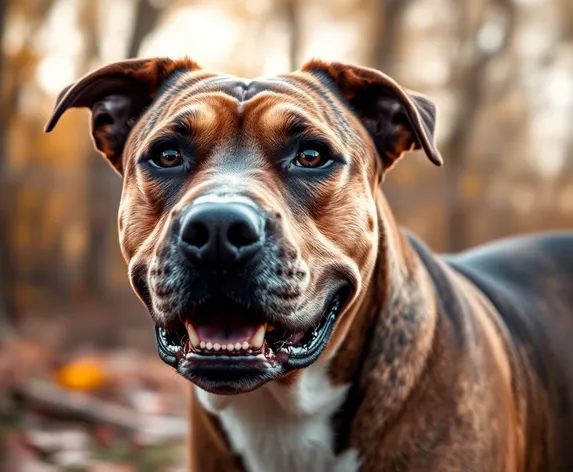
221 233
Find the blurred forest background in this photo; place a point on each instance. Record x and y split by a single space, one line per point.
80 385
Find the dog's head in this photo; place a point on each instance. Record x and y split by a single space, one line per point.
248 218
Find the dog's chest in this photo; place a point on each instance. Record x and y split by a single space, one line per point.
276 429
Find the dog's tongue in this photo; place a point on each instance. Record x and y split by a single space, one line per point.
225 334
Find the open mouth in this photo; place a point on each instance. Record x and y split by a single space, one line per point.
222 345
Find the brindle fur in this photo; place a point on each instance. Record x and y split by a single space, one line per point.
455 363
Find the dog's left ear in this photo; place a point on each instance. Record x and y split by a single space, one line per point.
398 120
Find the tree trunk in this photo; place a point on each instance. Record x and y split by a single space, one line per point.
290 12
471 81
7 305
389 14
146 17
95 267
456 152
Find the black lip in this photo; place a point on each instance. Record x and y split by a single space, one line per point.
236 374
302 356
230 375
162 348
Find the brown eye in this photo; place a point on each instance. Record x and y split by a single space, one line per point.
168 158
310 158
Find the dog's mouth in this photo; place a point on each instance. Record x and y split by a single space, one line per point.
222 350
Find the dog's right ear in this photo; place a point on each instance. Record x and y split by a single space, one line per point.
117 95
398 120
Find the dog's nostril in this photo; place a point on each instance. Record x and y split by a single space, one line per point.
196 234
241 234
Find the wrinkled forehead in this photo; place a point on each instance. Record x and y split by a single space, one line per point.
207 102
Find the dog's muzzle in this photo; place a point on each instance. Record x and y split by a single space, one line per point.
229 287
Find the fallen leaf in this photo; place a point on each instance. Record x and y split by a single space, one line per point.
83 374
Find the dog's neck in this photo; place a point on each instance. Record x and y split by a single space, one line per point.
385 351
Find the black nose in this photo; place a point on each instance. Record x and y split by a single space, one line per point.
221 233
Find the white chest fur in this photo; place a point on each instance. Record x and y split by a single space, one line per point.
285 429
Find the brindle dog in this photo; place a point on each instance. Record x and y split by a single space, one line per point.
318 335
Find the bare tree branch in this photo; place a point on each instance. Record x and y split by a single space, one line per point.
48 398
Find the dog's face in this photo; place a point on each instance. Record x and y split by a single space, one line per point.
247 216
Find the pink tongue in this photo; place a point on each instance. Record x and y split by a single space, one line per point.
225 334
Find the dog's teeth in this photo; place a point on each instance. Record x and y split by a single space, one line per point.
245 345
224 347
193 338
202 345
209 346
216 346
230 347
238 346
259 337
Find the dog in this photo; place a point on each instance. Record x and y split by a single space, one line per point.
318 335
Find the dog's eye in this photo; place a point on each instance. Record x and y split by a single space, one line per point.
168 158
310 158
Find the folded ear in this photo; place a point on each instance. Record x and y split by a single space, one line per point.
117 95
398 120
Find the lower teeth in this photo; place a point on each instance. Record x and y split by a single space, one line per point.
171 347
210 352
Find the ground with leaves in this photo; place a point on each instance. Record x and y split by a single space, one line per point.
72 400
